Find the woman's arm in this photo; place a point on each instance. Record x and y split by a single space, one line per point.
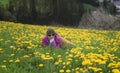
67 42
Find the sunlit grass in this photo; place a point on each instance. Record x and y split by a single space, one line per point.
94 52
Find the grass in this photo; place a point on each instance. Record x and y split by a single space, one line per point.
21 50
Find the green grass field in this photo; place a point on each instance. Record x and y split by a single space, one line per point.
95 51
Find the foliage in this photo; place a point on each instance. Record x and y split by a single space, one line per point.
4 2
112 8
88 7
94 51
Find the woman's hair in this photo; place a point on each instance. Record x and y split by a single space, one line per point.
50 31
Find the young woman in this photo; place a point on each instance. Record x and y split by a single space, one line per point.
52 39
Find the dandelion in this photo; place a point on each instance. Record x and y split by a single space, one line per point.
13 47
3 66
41 65
95 69
26 56
60 61
12 55
77 68
86 62
69 59
10 61
68 63
61 71
0 49
4 61
17 60
68 71
59 56
63 63
64 66
115 71
56 63
77 72
29 47
18 49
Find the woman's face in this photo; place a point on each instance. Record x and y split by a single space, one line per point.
51 36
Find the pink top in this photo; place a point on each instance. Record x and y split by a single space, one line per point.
58 41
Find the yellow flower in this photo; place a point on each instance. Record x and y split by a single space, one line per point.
77 68
29 47
3 66
4 61
12 55
64 66
63 63
60 61
17 60
56 63
86 62
68 71
69 59
61 71
26 56
77 72
115 71
70 55
95 69
41 65
10 60
13 47
68 63
18 49
59 56
0 49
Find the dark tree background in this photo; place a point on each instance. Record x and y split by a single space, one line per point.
67 12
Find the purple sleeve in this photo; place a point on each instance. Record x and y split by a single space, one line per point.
44 41
58 41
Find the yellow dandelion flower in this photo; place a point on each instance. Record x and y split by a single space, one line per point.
68 71
69 59
3 66
56 63
60 61
17 60
10 61
13 47
41 65
12 55
77 72
64 66
18 49
59 56
0 49
4 61
77 68
61 71
115 71
29 47
63 63
26 56
86 62
68 63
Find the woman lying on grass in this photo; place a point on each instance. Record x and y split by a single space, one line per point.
52 39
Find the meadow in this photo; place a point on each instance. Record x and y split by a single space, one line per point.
95 51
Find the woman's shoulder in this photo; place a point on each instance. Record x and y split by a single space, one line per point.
44 38
58 37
